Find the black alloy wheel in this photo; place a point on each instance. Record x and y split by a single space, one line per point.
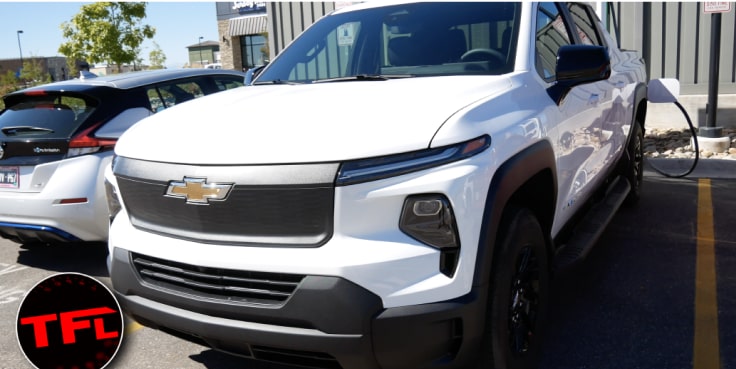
519 295
635 167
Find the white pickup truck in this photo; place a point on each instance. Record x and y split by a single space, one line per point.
392 191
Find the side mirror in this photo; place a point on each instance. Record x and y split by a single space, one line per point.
663 90
579 64
252 73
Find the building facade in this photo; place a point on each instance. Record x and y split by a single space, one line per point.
55 66
243 34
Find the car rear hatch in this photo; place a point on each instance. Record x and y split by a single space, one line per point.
37 129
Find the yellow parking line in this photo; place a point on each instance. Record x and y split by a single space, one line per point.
706 351
132 326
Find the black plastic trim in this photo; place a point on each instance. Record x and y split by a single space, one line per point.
506 181
326 318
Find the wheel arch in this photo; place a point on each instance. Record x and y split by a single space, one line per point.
640 109
529 180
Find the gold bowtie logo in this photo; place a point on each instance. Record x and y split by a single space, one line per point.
197 191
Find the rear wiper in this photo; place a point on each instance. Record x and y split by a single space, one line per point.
12 131
364 77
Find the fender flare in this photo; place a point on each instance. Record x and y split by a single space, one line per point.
640 95
507 180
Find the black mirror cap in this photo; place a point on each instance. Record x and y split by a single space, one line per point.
578 64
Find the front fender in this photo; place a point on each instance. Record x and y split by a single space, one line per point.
534 166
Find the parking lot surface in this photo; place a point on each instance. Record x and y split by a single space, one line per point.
657 291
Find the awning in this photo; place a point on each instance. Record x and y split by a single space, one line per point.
253 25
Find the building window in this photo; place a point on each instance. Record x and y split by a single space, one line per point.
253 49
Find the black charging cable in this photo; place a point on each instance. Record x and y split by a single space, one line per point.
694 134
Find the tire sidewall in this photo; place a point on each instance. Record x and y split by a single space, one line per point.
635 169
522 230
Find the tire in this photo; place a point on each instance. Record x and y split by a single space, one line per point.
514 327
635 166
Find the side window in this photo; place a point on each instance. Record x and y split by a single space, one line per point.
585 24
167 95
226 83
551 34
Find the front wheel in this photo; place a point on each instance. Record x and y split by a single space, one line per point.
519 295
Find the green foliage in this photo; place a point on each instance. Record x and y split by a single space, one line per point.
156 57
8 84
34 73
106 32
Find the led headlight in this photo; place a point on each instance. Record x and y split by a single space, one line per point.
365 170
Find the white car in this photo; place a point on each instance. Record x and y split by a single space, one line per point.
56 140
411 176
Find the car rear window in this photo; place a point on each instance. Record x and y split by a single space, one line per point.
44 116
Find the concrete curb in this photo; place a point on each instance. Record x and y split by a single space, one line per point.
706 168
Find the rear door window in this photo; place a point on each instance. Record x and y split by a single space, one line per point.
585 24
166 95
225 83
551 34
48 116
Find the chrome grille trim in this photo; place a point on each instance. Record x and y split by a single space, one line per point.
283 174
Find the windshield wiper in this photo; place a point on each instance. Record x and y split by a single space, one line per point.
12 131
364 77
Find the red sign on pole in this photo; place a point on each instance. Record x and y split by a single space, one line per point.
710 7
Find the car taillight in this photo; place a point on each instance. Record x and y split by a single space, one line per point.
83 143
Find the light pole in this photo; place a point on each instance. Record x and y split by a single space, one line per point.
19 49
200 52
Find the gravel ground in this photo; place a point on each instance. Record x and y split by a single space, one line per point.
675 143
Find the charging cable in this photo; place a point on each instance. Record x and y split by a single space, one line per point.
666 91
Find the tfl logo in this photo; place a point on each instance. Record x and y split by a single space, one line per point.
69 320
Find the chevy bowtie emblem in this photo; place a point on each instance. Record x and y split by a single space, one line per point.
197 191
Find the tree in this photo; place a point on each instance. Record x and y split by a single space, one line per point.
8 84
156 57
33 73
108 32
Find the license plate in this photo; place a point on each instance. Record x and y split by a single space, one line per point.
9 177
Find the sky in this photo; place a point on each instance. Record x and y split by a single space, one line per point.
178 25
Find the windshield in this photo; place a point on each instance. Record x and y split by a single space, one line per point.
421 39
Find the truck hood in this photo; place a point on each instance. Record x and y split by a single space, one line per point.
321 122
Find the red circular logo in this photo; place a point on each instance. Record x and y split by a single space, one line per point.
69 321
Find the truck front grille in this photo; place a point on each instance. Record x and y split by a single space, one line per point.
233 286
277 206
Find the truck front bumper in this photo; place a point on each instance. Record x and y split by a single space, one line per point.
328 322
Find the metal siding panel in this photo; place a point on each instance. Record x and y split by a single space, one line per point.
274 32
688 37
656 34
727 47
630 25
733 54
671 40
288 24
703 51
297 17
309 16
